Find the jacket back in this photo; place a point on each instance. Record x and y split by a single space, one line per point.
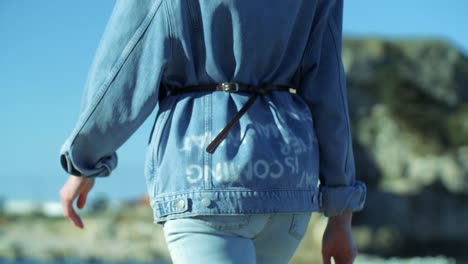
273 159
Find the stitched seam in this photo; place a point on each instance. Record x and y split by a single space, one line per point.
269 220
164 122
308 55
224 226
170 26
343 105
293 228
137 36
170 195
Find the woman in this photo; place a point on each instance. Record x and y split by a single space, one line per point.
235 155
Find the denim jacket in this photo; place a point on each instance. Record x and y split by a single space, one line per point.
291 151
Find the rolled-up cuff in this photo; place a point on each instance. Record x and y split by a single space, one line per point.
75 167
335 200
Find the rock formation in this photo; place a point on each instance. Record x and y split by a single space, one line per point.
409 110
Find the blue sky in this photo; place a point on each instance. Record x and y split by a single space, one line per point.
47 47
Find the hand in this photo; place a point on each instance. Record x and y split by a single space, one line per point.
338 241
75 187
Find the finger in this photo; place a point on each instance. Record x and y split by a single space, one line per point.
89 184
326 259
70 214
326 253
349 259
74 217
81 200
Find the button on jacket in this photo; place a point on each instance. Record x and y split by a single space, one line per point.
291 151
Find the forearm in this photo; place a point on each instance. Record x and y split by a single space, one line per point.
324 90
121 90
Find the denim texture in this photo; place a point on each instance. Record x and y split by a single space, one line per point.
246 239
291 152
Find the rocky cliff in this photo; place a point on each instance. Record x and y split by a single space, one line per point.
409 110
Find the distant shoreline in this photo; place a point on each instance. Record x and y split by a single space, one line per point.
122 233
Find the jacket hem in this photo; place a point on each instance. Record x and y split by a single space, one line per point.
218 202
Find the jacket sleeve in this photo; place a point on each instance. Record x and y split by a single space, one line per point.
121 89
323 87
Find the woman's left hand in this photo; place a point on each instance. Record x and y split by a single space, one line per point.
73 188
337 242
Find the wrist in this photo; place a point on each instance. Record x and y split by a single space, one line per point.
343 219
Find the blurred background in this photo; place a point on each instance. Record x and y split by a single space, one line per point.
407 74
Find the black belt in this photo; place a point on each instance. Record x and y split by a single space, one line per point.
231 88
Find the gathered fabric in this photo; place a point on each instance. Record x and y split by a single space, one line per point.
231 88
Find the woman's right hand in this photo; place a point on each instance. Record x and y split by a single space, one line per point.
75 187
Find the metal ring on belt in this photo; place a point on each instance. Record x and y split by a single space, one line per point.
231 88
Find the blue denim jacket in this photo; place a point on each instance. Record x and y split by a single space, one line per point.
284 146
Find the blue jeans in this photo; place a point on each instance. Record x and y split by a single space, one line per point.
265 238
